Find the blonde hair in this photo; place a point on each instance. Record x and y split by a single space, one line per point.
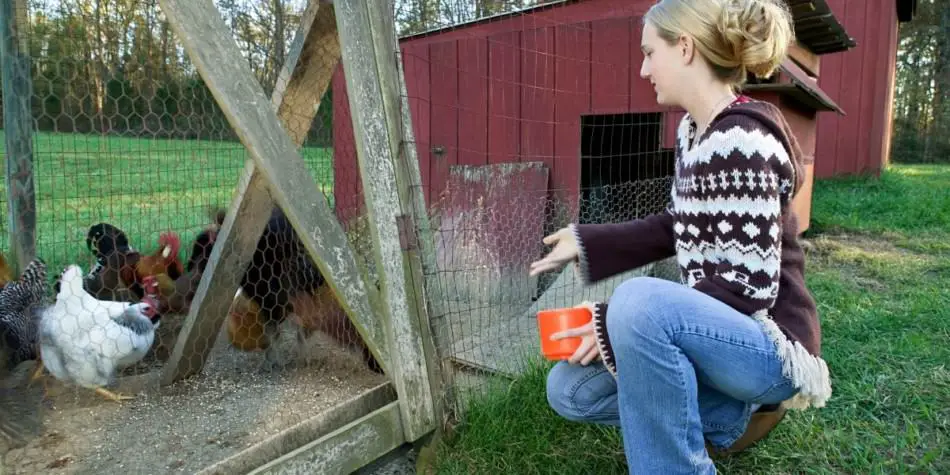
736 37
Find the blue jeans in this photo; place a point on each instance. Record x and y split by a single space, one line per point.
689 369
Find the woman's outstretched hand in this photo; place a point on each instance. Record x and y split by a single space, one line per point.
565 250
588 351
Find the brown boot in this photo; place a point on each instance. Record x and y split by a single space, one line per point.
762 422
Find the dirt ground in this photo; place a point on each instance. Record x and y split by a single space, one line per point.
187 426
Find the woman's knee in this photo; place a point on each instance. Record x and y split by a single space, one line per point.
639 308
581 393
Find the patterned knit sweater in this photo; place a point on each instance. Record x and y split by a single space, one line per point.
732 232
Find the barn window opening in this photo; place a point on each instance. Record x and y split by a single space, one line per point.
625 171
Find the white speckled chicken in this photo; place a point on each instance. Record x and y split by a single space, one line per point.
84 341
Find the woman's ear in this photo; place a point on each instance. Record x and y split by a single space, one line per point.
686 48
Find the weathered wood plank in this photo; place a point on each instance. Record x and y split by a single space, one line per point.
373 87
18 131
421 262
236 242
209 310
346 449
305 77
209 45
295 437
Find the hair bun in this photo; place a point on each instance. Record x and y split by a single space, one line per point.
757 33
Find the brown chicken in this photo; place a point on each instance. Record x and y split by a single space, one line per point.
6 273
245 328
118 265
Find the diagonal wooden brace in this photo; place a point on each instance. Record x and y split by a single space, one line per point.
275 175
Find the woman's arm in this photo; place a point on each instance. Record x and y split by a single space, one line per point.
609 249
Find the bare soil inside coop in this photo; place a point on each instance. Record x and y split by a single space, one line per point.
182 428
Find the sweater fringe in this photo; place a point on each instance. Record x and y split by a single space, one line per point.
809 373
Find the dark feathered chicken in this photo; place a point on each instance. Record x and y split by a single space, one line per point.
21 304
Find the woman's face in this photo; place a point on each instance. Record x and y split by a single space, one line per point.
663 65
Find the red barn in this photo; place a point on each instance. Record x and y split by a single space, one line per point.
558 87
861 81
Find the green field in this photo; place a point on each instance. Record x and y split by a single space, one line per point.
143 186
880 270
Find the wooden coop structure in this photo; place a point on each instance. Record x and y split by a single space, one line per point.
390 316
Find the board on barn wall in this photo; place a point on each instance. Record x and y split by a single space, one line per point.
473 101
444 110
572 77
504 97
537 96
610 66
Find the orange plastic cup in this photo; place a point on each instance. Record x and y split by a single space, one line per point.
556 320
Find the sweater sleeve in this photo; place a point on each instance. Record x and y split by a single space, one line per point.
744 194
611 248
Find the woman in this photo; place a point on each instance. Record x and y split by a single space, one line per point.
682 365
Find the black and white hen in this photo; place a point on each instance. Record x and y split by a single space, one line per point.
21 304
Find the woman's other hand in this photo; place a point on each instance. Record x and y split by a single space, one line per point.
588 351
565 250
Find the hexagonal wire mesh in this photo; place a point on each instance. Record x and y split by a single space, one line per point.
134 164
523 122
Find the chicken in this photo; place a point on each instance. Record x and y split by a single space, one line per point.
245 329
84 341
21 302
119 265
6 273
321 311
20 306
280 282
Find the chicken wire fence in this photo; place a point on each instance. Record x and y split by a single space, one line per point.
134 166
527 116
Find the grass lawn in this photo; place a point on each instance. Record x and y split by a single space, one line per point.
880 270
143 186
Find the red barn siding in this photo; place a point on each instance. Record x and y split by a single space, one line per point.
514 89
473 104
610 65
504 98
861 81
444 110
537 96
572 98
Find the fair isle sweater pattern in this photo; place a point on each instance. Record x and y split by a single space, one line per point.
728 226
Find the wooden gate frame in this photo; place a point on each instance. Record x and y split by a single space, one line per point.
392 321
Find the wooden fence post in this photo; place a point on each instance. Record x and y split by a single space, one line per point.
367 38
18 131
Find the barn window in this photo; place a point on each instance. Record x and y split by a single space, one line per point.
625 171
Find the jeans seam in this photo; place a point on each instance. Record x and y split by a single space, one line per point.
678 330
572 399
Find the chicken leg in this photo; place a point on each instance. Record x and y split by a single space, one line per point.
113 396
38 372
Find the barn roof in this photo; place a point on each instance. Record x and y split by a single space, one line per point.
797 84
816 26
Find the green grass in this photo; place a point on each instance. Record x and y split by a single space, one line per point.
880 270
144 186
